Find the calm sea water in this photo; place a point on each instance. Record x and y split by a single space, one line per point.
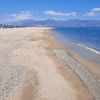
85 41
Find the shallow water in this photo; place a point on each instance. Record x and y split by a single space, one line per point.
84 41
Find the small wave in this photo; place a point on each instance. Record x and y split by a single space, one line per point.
88 48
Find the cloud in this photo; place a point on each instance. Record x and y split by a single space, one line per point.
89 14
96 9
93 12
55 13
21 16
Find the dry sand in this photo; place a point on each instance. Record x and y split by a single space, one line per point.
40 75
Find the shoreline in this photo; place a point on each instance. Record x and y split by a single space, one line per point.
84 67
44 75
91 65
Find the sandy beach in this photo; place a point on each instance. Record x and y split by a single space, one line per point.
34 66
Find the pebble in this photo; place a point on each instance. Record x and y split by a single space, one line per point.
82 71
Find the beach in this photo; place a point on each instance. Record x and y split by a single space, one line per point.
35 66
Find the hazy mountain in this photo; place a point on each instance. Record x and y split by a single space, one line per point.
61 23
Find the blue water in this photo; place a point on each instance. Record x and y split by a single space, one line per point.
84 40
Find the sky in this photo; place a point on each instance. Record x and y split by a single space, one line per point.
16 10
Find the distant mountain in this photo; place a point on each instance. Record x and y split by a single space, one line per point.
61 23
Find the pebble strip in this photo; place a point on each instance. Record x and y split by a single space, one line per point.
82 71
12 75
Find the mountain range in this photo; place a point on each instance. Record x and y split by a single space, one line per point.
60 23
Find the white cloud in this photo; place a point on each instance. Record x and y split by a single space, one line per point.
89 14
93 12
21 16
55 13
96 9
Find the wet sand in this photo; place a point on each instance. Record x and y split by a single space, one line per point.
30 70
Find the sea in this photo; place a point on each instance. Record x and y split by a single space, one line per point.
82 40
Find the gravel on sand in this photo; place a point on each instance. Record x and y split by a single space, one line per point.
82 71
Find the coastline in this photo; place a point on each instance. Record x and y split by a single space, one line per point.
93 66
39 72
86 67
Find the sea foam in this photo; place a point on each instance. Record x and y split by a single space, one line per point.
89 48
